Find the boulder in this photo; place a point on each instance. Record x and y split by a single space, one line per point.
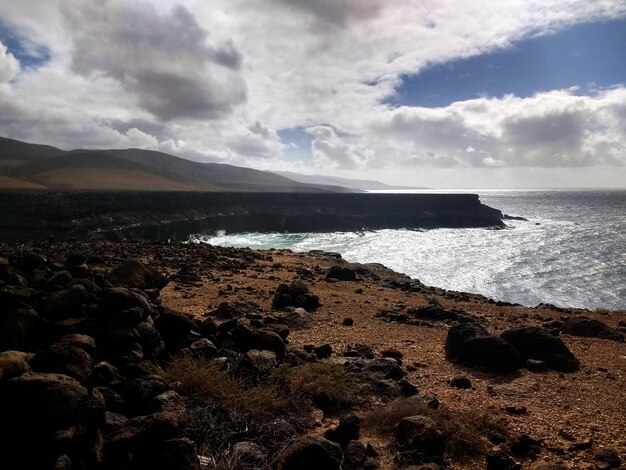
581 326
419 439
65 357
347 430
433 312
259 363
177 330
297 294
66 303
139 393
538 344
311 453
172 454
297 319
149 430
13 364
460 381
133 273
340 273
46 402
491 353
117 299
458 335
470 344
19 329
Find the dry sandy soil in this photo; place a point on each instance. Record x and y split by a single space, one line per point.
584 409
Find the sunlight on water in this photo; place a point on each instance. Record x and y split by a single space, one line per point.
569 253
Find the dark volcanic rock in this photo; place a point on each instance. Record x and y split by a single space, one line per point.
311 453
133 273
347 430
539 344
46 402
297 294
581 326
13 364
19 329
340 273
458 335
470 345
419 440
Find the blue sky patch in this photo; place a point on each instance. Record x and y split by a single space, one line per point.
298 143
590 56
29 54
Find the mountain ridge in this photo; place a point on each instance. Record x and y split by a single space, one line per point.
34 166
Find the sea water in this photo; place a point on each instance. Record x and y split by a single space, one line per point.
571 251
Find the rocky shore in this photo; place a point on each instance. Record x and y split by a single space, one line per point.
154 215
134 355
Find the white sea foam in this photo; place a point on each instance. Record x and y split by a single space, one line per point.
571 252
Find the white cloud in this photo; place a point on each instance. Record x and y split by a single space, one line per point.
216 80
9 65
329 152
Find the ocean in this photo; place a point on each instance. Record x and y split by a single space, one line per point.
571 251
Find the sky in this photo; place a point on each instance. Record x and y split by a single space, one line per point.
437 93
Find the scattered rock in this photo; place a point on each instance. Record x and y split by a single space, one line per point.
297 294
461 381
347 321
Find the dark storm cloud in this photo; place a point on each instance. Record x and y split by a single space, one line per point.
165 61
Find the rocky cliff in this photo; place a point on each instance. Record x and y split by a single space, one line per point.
176 215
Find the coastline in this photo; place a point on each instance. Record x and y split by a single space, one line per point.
572 416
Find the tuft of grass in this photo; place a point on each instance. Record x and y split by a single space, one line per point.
465 431
224 410
321 382
200 378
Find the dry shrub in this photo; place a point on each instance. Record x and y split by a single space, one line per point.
325 382
200 378
465 430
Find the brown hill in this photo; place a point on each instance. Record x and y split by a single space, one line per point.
89 170
31 166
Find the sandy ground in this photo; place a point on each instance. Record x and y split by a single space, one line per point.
562 409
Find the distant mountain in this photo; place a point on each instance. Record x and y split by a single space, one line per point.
363 185
32 166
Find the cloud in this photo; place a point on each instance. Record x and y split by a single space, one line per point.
164 60
9 65
329 151
551 129
337 12
214 81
